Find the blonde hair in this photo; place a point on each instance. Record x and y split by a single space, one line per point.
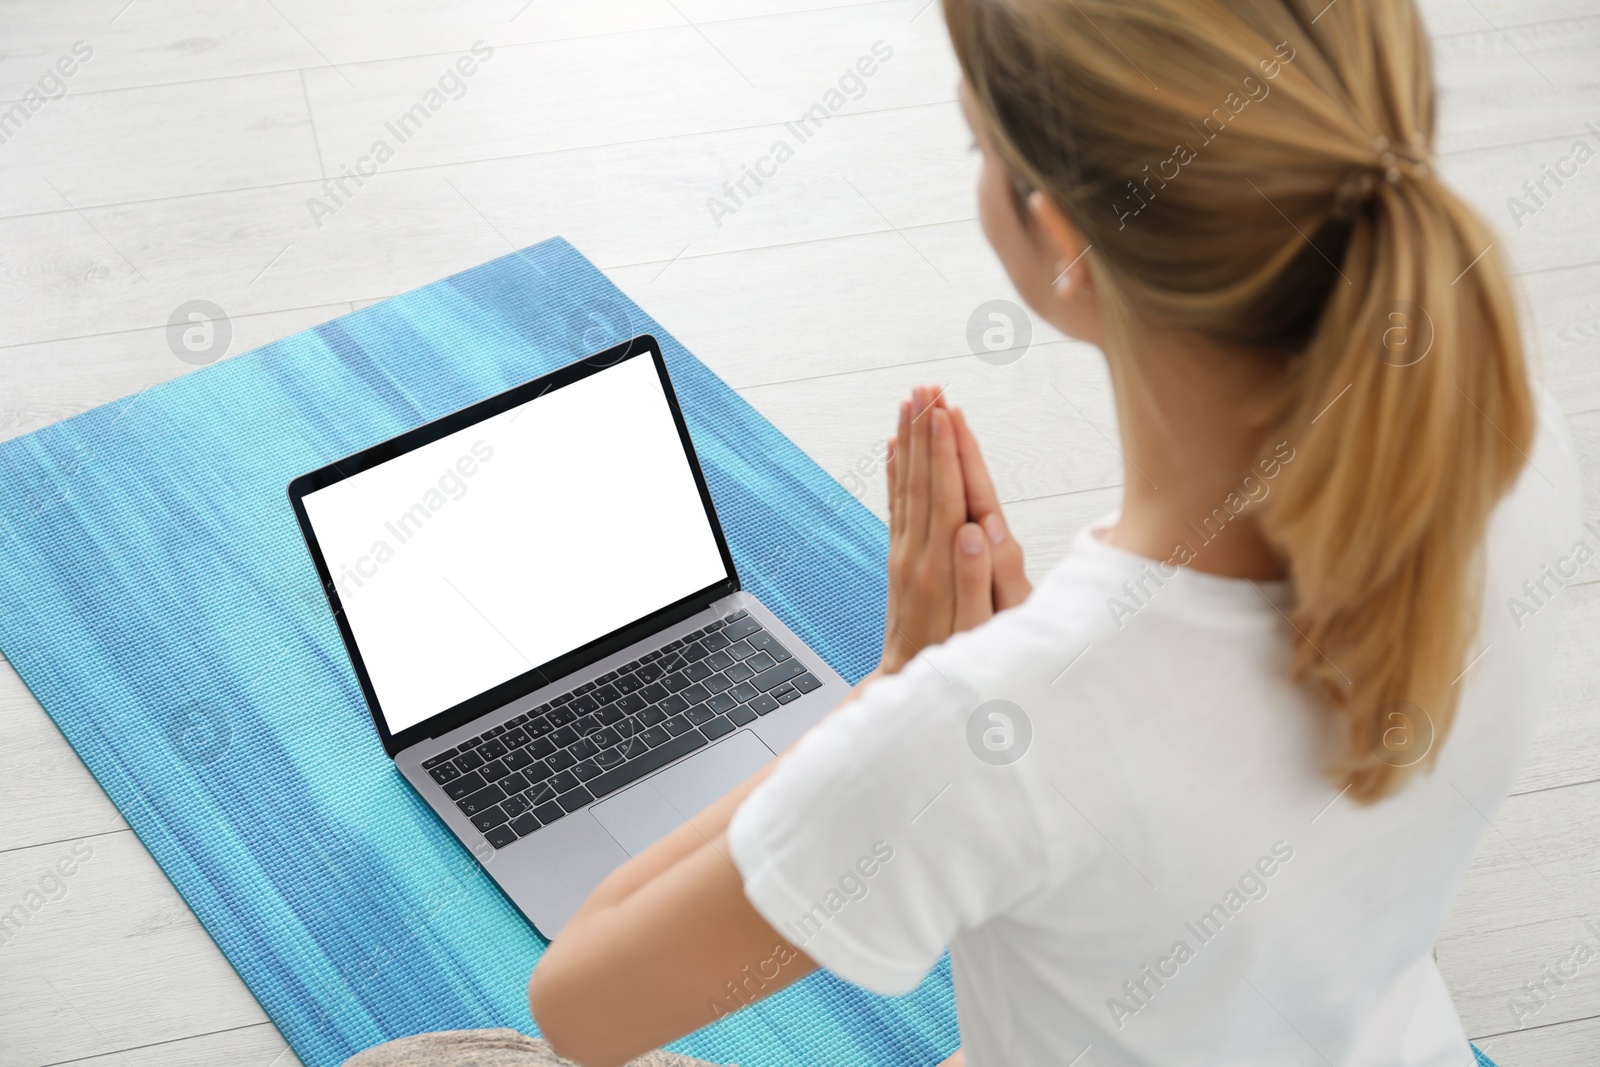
1256 172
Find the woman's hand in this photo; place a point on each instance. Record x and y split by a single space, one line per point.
952 562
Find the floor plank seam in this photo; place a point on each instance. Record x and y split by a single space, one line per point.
542 42
1494 28
1541 1026
269 186
66 840
158 1044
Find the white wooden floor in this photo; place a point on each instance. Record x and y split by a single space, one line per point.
179 166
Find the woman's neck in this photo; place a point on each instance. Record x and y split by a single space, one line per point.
1192 481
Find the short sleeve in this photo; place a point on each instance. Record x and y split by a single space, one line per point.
882 833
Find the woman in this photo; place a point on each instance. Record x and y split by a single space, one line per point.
1204 794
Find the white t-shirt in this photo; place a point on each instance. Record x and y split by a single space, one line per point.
1165 874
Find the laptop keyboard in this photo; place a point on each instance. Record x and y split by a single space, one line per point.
546 763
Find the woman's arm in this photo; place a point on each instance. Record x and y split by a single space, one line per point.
669 942
664 945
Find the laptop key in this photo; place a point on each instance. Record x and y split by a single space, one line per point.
494 770
560 716
763 705
467 783
586 770
516 737
650 716
471 742
541 747
584 704
605 694
607 758
627 683
673 704
716 728
444 772
717 683
564 781
525 824
699 713
588 724
736 616
741 715
741 628
696 672
515 782
548 813
714 642
760 662
695 651
715 624
560 761
536 773
469 761
776 676
539 727
654 692
782 689
518 758
719 661
739 672
482 800
564 736
722 703
486 820
675 681
656 758
807 682
769 644
649 672
631 703
429 764
501 836
654 736
741 649
791 695
514 806
695 693
676 725
574 799
744 692
604 738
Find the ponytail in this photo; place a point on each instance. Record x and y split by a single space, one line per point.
1402 385
1412 414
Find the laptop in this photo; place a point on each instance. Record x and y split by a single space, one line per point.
539 603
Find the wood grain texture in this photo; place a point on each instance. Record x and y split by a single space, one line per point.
189 149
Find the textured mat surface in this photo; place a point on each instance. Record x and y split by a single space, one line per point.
157 599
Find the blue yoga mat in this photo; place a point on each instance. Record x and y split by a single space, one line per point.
157 599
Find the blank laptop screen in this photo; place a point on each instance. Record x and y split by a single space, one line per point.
496 549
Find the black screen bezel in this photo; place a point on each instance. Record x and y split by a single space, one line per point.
544 673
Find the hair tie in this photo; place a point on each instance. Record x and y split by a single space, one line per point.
1393 163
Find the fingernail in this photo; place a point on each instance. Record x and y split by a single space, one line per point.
969 540
997 529
938 421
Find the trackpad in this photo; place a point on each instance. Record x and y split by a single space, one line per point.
643 814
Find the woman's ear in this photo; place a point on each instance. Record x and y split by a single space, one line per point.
1063 241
